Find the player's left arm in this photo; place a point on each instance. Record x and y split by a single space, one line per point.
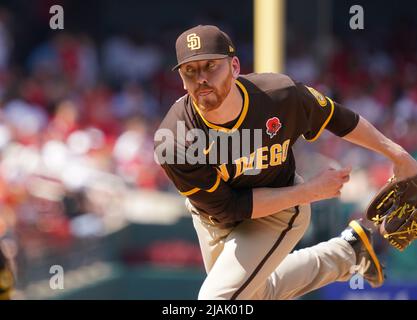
367 136
320 112
316 112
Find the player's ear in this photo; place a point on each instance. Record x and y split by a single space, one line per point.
235 67
182 78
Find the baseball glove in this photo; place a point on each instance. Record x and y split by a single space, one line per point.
394 211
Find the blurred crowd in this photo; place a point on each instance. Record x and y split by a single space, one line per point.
76 131
79 115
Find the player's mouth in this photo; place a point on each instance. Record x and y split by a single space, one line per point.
203 93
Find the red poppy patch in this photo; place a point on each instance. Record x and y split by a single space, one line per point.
272 126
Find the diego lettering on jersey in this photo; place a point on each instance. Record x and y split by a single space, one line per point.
220 149
195 146
262 158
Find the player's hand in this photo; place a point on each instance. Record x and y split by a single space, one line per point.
405 167
327 184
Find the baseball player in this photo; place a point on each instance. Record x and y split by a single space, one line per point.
251 210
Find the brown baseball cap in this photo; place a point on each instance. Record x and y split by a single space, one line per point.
203 42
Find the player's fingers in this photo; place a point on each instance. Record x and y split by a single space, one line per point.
333 195
339 187
345 171
345 178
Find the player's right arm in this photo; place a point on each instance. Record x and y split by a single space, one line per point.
203 185
326 185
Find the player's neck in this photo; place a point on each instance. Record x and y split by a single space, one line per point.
229 110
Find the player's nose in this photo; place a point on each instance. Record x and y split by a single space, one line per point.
201 78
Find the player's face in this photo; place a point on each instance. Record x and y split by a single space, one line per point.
208 81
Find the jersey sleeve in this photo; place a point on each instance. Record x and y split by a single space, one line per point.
320 112
209 194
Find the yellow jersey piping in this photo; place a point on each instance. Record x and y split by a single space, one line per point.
195 190
241 117
324 124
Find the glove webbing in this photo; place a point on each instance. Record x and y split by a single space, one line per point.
405 209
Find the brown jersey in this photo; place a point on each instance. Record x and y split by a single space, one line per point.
277 111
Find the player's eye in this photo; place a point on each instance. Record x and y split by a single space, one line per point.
189 71
211 65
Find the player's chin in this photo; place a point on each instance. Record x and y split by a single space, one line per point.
208 104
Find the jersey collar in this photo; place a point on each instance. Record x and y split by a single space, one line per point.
241 117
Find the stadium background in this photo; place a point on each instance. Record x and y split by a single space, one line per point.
78 108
